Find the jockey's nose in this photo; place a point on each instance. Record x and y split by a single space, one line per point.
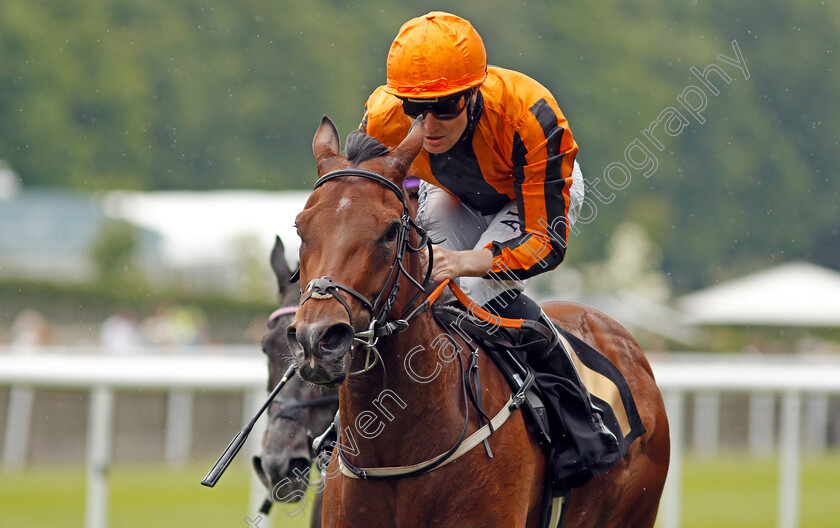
321 340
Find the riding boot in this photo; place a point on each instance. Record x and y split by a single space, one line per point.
553 358
582 443
547 354
544 350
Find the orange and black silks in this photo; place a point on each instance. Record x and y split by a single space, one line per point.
519 149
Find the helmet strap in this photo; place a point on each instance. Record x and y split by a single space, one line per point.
475 107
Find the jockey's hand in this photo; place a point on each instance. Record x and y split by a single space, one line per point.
450 264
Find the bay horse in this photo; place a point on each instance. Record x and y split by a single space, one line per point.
405 407
301 411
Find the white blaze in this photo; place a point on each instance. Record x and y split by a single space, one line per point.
343 204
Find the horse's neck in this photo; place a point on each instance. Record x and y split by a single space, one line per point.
422 389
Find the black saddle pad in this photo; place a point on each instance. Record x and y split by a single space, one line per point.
586 451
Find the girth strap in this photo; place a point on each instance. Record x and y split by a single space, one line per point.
473 381
468 443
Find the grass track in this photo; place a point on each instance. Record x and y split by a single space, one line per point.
724 492
738 492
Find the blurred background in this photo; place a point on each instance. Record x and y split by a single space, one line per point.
151 151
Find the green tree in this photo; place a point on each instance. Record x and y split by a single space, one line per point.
114 252
205 94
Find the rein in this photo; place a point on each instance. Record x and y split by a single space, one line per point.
325 288
462 445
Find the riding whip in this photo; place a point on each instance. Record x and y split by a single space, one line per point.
236 444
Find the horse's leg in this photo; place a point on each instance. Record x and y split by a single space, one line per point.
627 494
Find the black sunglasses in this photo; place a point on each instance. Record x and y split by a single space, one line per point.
443 108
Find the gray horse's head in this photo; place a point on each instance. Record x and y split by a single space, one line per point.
299 412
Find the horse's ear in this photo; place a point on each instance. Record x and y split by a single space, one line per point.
325 144
403 156
280 266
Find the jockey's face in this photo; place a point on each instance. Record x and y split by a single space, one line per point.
440 135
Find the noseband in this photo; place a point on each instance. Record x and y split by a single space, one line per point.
326 288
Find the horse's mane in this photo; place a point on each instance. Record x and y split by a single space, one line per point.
362 147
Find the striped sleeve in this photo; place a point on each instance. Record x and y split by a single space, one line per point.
543 153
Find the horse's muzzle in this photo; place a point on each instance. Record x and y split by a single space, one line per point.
320 350
282 476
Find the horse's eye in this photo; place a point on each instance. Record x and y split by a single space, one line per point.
391 234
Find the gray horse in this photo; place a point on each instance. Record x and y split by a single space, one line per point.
299 412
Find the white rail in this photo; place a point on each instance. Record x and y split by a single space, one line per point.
789 377
208 369
102 374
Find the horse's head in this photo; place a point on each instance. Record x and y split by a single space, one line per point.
301 410
352 230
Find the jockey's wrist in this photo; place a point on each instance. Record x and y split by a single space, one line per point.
475 262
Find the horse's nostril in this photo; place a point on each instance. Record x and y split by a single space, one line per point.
337 339
299 468
257 464
322 340
292 340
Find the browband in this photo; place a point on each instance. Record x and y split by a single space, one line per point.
362 173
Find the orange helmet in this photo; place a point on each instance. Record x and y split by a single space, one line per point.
435 55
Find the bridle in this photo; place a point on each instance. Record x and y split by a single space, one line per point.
276 315
379 308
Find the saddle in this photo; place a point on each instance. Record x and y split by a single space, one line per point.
575 453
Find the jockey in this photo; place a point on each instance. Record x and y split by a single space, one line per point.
500 189
500 184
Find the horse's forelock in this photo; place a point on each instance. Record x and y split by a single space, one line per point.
362 147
